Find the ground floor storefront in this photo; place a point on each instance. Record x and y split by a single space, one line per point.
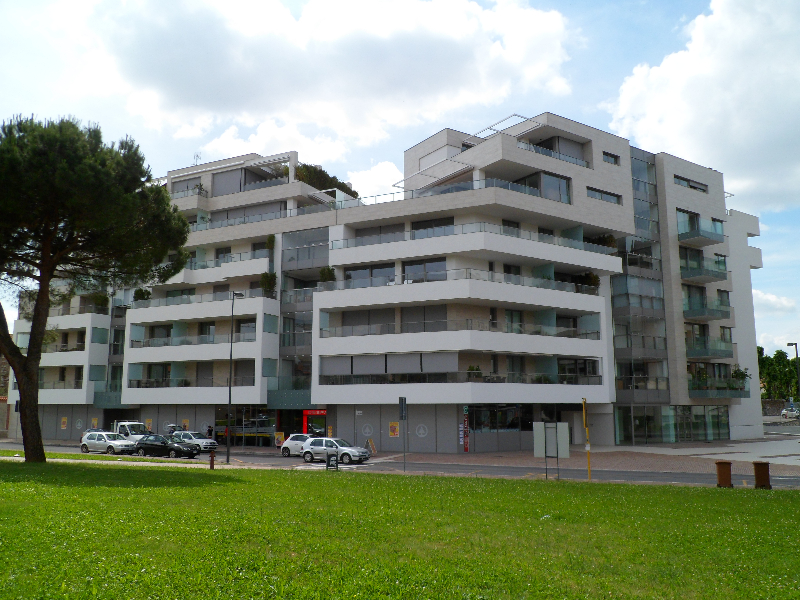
670 424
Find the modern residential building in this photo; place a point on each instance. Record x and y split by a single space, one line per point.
516 272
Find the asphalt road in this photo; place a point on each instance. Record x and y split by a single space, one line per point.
382 465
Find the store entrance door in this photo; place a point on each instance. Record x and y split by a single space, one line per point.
314 422
683 423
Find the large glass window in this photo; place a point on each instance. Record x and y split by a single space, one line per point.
433 269
555 188
432 228
493 418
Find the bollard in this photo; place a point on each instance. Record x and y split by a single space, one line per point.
724 474
761 471
211 461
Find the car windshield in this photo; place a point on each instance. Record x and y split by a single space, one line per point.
343 443
197 436
137 428
115 437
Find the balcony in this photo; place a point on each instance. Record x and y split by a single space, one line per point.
704 270
700 309
461 377
305 257
61 311
698 232
202 382
63 348
196 340
642 389
707 347
458 325
55 385
479 227
719 388
281 214
640 261
194 265
295 343
197 299
456 274
639 346
552 154
196 191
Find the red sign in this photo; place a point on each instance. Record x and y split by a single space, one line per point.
466 430
315 413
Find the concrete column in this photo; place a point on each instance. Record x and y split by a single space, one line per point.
292 166
478 175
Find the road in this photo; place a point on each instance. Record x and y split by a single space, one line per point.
394 465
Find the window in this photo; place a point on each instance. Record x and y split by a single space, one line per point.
724 297
207 329
269 367
605 196
726 334
555 188
434 269
511 228
361 275
513 321
316 443
512 273
178 293
270 324
610 158
720 261
432 228
694 185
246 326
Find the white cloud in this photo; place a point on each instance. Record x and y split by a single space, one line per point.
376 180
728 100
770 343
770 304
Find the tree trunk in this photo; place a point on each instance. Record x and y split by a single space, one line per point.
29 416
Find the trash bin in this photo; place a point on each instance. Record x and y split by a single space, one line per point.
724 474
332 461
761 471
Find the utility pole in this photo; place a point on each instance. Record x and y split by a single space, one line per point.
588 445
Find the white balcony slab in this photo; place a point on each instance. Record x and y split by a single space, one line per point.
191 353
243 268
196 395
202 310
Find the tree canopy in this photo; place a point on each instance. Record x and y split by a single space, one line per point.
778 375
74 212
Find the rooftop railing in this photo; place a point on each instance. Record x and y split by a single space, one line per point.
480 227
458 325
194 340
456 274
462 377
551 153
196 299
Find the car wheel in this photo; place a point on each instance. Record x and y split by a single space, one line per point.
140 452
346 460
110 450
285 452
173 454
308 457
84 448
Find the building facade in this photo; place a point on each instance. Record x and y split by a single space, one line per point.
516 273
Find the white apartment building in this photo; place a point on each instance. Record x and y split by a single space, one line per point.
517 272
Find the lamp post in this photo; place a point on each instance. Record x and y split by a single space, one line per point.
796 364
234 296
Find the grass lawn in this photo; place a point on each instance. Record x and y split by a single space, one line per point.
96 456
103 531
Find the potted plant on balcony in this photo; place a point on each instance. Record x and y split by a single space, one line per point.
141 294
701 379
268 283
327 274
739 377
270 242
474 373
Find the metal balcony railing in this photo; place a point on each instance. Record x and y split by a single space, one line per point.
63 348
462 377
217 297
458 325
194 340
244 381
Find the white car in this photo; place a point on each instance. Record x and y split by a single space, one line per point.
110 443
293 445
319 448
195 437
790 413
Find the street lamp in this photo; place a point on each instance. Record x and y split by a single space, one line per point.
796 364
234 296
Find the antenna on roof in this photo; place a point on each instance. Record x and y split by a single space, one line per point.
196 158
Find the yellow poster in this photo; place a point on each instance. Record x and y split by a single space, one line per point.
94 423
330 430
279 438
186 424
63 422
394 428
148 423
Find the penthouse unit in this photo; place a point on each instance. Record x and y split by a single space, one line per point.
515 273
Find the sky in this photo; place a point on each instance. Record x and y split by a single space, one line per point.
351 84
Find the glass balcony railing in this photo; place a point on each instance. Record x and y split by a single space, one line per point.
296 382
701 308
77 347
244 381
641 382
194 265
76 384
705 231
290 339
187 193
719 388
297 296
705 268
61 311
642 342
462 377
194 340
197 299
641 261
456 274
700 347
479 227
305 257
552 154
280 214
637 301
458 325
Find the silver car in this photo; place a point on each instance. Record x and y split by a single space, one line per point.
195 437
319 448
103 441
293 445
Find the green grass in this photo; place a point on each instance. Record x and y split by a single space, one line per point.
102 531
75 456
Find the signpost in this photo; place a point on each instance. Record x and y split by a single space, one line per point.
403 419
